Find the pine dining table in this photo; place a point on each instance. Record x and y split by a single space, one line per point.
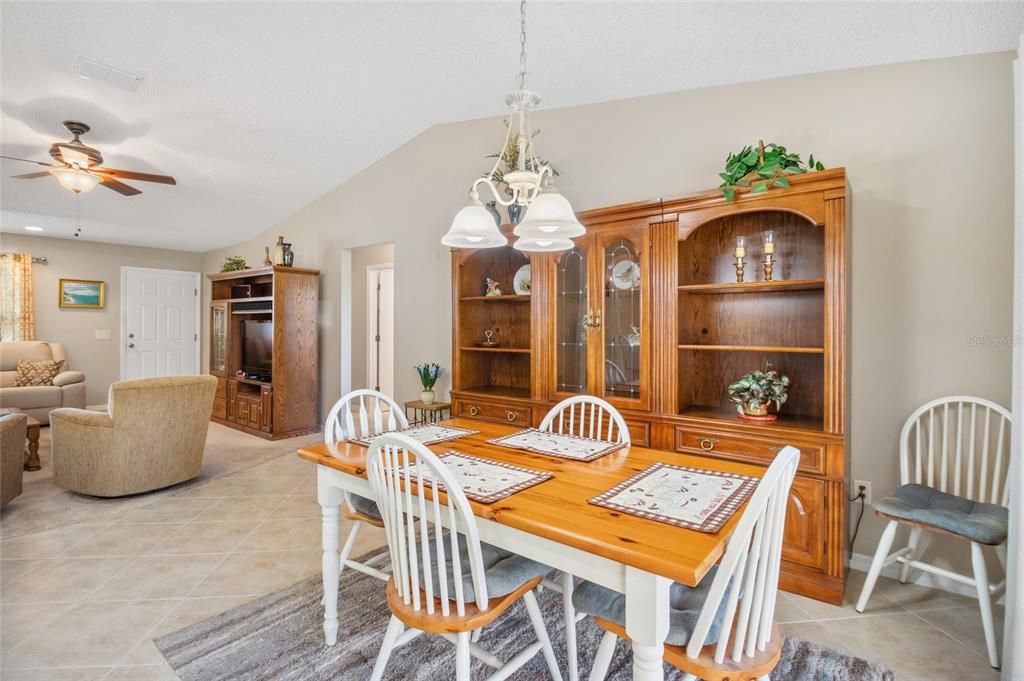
553 523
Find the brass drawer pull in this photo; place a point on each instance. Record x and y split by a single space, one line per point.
708 443
511 415
474 410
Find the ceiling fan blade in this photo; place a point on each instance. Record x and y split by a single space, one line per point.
32 176
38 163
132 175
119 187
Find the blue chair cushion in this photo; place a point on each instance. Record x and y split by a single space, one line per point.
365 506
505 571
981 523
684 604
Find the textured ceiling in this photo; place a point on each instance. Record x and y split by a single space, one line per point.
259 108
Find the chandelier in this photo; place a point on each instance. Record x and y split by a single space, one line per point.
549 223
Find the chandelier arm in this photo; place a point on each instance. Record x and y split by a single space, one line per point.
533 143
504 148
494 190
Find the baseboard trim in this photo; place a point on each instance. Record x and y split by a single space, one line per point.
862 562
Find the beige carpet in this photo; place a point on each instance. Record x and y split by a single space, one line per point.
44 506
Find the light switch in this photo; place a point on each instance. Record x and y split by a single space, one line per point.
102 334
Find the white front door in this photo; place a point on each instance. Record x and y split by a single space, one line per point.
159 323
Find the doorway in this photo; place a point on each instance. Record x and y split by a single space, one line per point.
159 323
380 327
368 318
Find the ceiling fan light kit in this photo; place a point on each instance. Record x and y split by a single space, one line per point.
75 179
545 228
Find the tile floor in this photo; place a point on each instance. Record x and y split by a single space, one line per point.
83 603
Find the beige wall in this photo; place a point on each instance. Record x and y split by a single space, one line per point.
927 146
76 329
362 258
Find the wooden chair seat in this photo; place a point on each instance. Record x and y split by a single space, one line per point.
704 666
453 623
356 516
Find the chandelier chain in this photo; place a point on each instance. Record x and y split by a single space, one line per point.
522 45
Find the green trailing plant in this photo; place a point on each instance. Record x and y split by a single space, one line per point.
755 391
510 158
428 373
234 263
762 167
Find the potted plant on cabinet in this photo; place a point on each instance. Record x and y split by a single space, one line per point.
753 393
428 374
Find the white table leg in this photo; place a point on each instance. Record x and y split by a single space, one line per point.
647 622
330 501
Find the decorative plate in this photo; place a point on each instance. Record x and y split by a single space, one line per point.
521 281
624 274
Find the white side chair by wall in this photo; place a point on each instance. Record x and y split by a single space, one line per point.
592 417
954 459
362 413
446 582
723 628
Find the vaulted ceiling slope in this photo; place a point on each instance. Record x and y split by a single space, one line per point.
259 108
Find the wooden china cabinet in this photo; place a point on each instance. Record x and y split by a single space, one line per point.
645 311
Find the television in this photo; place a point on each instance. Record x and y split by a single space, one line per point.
257 347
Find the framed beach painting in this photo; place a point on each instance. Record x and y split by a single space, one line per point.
81 293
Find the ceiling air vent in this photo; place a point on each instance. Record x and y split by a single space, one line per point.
91 69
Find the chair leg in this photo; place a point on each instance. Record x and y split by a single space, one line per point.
881 553
572 662
395 628
985 603
915 537
350 542
530 601
603 659
462 657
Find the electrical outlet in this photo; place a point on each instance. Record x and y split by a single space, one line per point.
866 484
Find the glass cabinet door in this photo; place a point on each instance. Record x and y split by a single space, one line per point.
622 325
218 338
572 319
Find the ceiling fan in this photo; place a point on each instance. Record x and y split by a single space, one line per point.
78 167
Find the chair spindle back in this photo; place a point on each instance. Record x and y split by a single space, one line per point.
749 570
586 416
959 445
414 526
351 417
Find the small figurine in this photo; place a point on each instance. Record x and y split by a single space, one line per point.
492 288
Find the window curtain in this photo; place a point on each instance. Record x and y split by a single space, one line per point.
17 310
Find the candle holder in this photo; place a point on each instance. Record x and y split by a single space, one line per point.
739 270
769 265
739 252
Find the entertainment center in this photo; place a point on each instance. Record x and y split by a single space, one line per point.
264 350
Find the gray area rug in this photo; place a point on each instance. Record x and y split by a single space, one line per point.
280 637
44 506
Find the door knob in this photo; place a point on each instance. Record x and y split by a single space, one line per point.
131 345
131 335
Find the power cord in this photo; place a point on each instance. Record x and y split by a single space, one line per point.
856 528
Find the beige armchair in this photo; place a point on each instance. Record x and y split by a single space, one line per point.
68 389
12 455
152 437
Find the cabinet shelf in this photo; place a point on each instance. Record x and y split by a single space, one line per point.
253 299
506 350
496 391
269 310
497 299
756 286
755 348
728 414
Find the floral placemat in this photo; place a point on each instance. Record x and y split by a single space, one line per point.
428 435
484 480
693 498
556 444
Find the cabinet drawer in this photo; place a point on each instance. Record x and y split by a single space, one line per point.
500 413
222 389
639 433
755 449
220 408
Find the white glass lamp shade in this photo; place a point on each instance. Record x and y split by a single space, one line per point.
75 179
550 216
474 227
542 245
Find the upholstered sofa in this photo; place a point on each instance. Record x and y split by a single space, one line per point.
151 436
12 455
68 389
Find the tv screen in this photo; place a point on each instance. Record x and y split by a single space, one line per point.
257 345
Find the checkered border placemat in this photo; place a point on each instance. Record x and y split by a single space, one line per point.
538 477
713 523
457 434
608 449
